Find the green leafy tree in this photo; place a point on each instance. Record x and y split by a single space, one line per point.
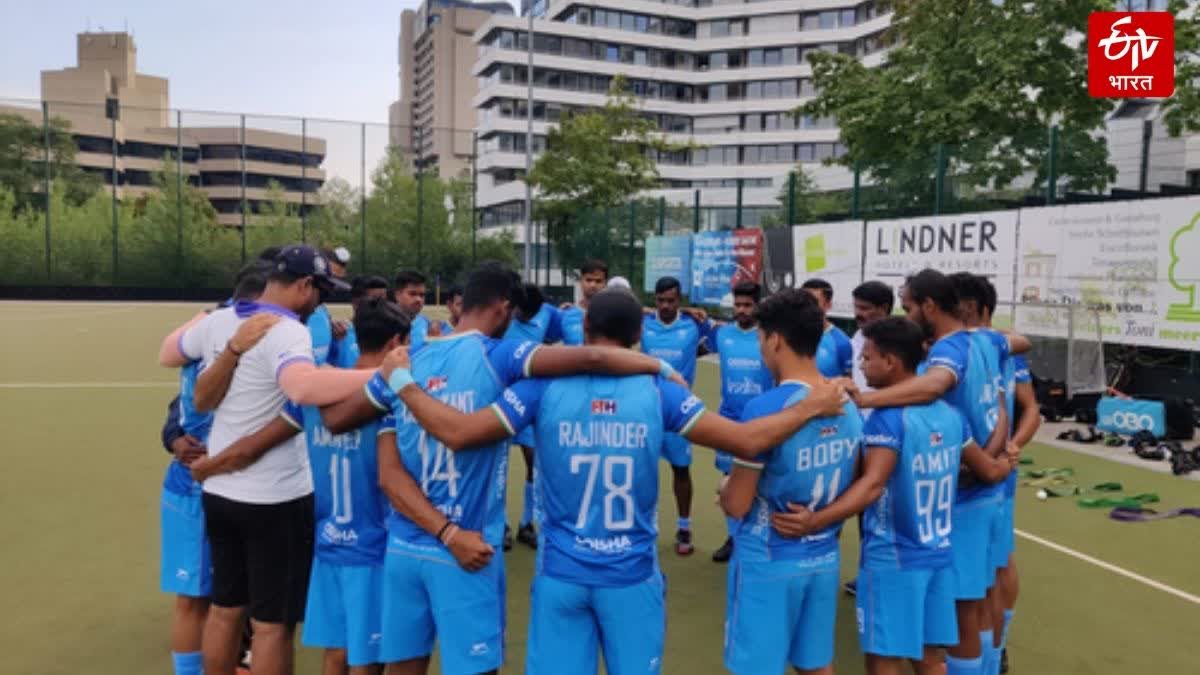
810 203
23 156
1182 110
404 230
595 162
987 80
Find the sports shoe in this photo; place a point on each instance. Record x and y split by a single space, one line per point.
851 587
527 534
508 539
724 553
683 542
1004 660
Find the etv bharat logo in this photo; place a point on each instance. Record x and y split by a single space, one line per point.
1185 253
1131 54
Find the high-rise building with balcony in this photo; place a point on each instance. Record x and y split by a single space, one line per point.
724 76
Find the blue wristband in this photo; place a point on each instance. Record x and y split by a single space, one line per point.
379 393
401 378
665 369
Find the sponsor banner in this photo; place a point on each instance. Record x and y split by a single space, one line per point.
722 259
1136 263
979 243
833 252
1129 416
669 257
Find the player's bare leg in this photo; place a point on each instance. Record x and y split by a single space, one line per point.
418 666
334 662
272 650
222 639
827 670
187 625
968 646
526 533
682 484
373 669
933 662
884 665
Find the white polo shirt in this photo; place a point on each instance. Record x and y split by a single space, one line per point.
253 400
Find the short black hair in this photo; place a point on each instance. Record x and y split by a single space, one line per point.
899 337
270 253
794 314
614 314
409 278
362 284
455 291
489 283
666 284
816 284
531 300
748 288
875 293
252 280
593 265
933 285
377 321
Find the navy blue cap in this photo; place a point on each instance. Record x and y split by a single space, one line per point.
306 261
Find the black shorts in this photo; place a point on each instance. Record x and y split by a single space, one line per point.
261 556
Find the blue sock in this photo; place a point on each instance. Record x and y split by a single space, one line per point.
731 525
685 523
990 655
189 663
957 666
527 511
1008 615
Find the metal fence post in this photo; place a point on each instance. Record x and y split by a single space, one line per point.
791 198
362 200
1052 168
738 210
115 231
179 194
475 195
1147 133
48 185
632 221
696 212
303 180
242 158
939 179
420 192
855 192
662 216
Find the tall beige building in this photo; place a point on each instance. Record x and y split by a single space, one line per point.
123 129
435 114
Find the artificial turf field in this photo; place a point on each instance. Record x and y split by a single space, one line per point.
82 401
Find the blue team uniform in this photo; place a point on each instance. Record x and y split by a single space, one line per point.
906 586
598 585
418 333
320 327
185 561
544 327
344 352
835 353
1002 534
973 361
571 320
427 596
345 589
743 375
676 343
446 327
782 599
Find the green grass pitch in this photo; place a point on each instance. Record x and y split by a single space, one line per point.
83 468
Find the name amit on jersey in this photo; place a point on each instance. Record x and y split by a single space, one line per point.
935 462
603 433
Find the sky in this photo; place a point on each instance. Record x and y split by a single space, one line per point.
267 57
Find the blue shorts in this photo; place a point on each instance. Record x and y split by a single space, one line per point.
1002 534
186 562
677 450
570 624
345 610
428 597
723 461
901 611
780 612
971 547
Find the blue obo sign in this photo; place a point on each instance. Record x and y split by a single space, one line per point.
1129 416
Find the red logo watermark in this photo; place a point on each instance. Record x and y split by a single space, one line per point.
1131 54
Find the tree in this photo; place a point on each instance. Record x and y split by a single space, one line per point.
987 81
23 156
595 161
1182 110
810 203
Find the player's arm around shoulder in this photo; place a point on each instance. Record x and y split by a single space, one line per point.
764 428
213 382
924 388
248 449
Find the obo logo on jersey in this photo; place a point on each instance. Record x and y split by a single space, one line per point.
1129 421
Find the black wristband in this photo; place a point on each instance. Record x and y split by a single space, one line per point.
443 530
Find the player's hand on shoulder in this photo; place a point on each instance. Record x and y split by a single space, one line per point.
201 469
697 313
797 521
251 331
397 358
469 549
187 449
678 379
827 397
339 328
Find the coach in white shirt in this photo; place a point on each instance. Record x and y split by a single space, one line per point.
260 519
873 301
